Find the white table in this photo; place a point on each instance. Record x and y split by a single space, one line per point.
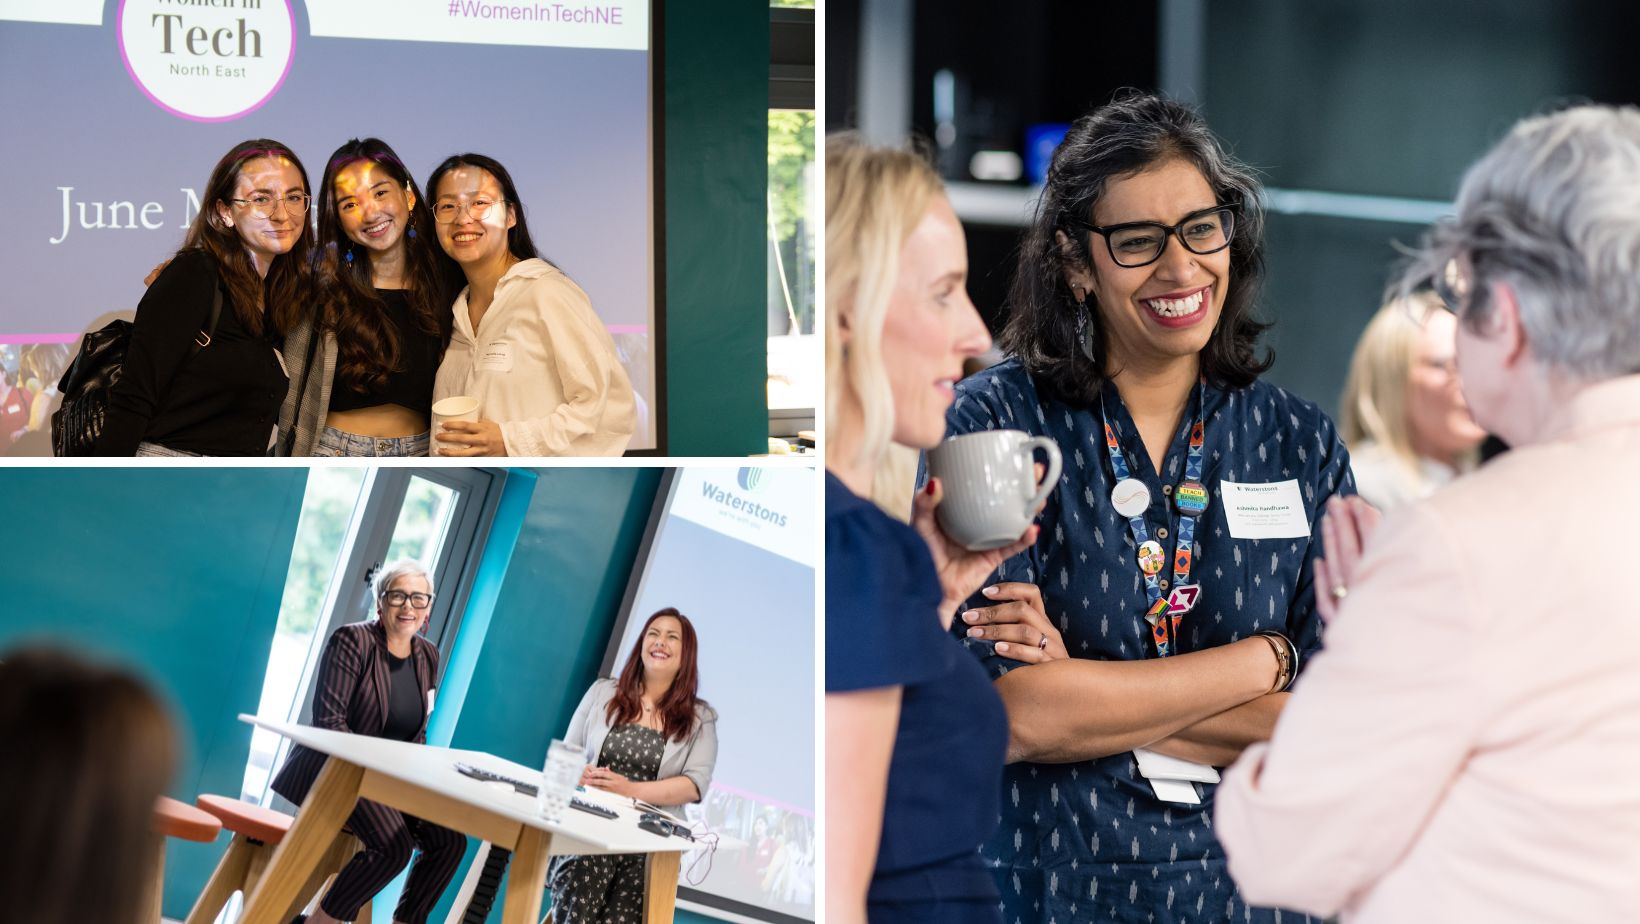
422 780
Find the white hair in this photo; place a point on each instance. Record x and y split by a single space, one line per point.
1554 211
395 570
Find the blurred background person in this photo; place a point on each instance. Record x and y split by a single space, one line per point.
89 750
1464 747
1403 414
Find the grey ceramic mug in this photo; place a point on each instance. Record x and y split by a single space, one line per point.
991 491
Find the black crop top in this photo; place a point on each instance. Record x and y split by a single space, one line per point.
411 384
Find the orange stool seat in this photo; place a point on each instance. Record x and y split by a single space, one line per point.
257 833
253 821
183 821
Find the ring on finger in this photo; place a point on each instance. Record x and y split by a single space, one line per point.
1339 592
1042 643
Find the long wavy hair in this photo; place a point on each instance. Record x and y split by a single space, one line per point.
260 304
1130 134
518 236
91 749
367 345
677 708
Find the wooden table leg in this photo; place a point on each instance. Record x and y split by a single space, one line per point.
527 878
328 803
661 886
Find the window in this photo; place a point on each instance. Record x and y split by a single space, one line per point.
795 362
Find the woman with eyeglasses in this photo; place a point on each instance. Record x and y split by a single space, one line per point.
378 678
1403 413
526 342
648 736
362 363
1149 633
191 388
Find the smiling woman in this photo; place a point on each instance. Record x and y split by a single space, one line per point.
1132 337
378 678
199 382
651 739
362 364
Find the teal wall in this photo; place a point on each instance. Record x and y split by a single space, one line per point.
716 183
553 615
133 566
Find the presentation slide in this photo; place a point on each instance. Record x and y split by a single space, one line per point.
117 110
734 550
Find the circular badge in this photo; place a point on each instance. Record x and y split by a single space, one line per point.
1191 498
1130 497
1150 557
205 61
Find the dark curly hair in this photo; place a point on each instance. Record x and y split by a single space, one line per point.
1131 133
367 347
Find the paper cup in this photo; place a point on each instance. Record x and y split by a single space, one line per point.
459 407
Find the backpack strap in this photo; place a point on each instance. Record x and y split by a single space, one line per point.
203 338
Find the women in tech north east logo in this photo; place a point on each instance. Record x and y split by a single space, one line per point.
207 60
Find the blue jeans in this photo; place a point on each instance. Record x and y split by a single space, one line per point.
334 442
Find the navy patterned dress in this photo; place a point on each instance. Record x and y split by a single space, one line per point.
1089 841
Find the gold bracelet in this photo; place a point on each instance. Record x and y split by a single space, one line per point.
1284 661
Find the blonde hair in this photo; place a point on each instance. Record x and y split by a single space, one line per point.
1374 403
875 197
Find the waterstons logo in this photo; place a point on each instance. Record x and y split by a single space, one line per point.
207 60
750 478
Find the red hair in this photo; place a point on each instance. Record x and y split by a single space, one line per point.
677 708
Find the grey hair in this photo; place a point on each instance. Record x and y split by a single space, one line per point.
1554 211
395 570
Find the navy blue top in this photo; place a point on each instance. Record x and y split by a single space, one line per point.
1089 840
945 778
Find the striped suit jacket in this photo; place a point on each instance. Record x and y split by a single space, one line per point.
351 695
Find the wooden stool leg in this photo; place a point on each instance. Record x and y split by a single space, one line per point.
341 850
154 901
228 878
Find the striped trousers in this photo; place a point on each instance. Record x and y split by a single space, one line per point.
389 836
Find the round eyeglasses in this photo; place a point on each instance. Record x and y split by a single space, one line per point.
417 601
263 205
1141 243
448 213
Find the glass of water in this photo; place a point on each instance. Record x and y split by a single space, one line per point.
558 781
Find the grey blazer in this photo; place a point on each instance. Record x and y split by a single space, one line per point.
312 367
692 757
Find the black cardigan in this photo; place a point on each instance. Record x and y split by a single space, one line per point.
350 694
222 401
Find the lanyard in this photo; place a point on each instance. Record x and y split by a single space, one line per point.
1132 499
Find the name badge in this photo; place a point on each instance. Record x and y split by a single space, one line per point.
495 356
1265 511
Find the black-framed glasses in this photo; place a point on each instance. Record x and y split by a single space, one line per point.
1141 243
263 205
448 213
419 601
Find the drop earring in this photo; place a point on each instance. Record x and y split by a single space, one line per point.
349 255
1084 326
412 232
